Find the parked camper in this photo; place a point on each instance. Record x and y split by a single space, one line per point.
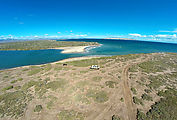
95 67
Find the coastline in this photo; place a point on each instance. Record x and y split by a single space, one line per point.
65 50
75 59
60 61
75 49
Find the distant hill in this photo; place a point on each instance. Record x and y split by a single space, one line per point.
120 38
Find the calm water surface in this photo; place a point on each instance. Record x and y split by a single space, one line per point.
10 59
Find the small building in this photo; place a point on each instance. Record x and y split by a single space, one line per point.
96 67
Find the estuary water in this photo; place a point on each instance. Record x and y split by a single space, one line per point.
11 59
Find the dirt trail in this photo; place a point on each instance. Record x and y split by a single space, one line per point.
131 108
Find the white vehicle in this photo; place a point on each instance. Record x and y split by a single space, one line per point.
95 67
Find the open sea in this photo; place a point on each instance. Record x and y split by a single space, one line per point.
11 59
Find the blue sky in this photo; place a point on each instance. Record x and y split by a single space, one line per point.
139 19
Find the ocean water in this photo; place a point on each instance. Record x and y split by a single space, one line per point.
11 59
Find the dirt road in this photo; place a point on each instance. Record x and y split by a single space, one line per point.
131 108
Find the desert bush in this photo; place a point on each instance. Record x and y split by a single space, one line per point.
137 101
115 117
133 68
155 82
38 108
152 66
70 115
146 97
14 81
111 84
122 99
165 109
147 90
8 88
133 90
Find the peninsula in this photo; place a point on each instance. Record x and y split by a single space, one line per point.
66 46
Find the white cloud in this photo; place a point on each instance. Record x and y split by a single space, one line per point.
135 35
166 36
58 32
161 35
46 34
81 35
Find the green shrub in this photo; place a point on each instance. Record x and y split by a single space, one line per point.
146 97
134 68
25 69
133 90
20 79
122 99
165 109
38 108
8 88
140 115
114 117
152 66
14 81
147 90
17 87
6 76
137 101
70 115
111 84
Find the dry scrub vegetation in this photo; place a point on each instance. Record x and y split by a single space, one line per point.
74 92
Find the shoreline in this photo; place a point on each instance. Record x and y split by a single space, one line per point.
75 49
60 61
76 59
69 60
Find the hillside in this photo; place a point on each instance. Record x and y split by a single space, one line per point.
126 87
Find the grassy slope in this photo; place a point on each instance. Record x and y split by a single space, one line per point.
41 44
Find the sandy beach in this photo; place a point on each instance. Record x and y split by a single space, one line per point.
74 49
76 59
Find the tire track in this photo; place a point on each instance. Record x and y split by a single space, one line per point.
130 107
